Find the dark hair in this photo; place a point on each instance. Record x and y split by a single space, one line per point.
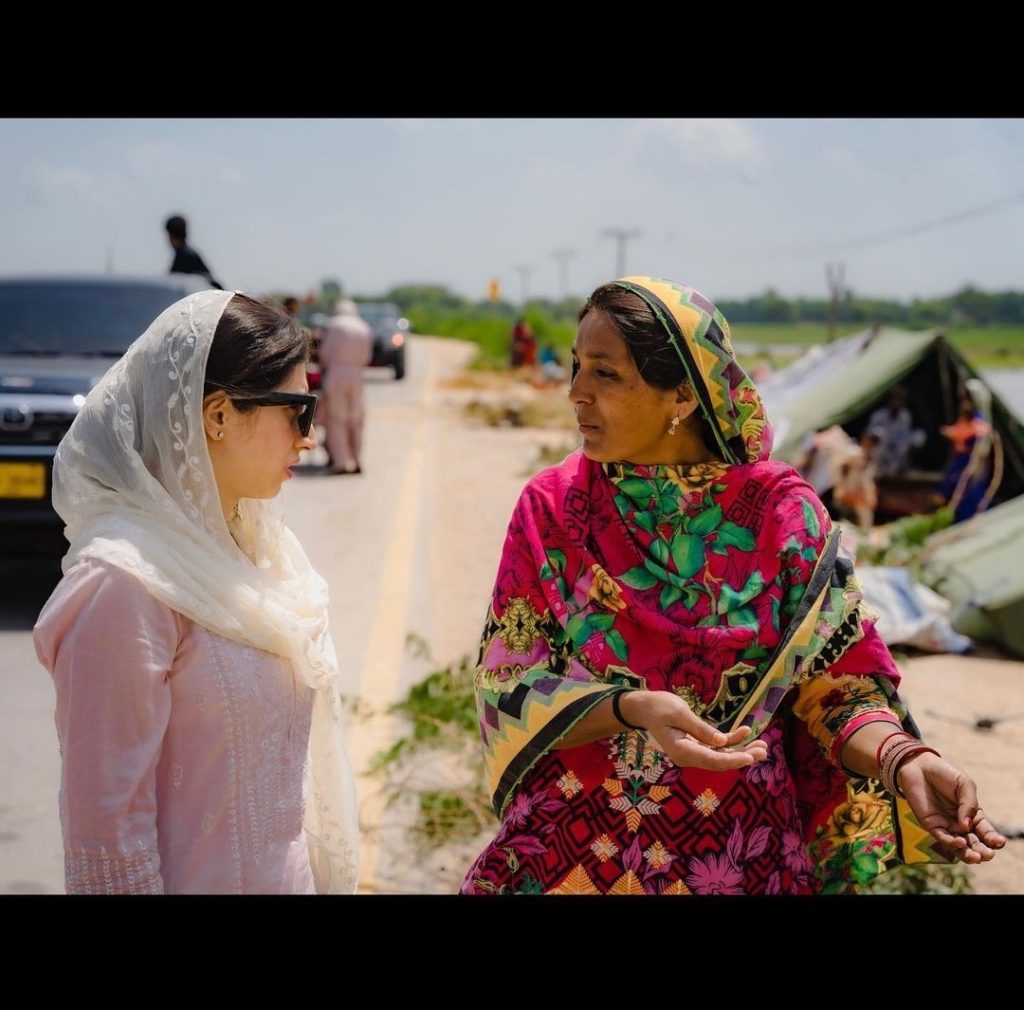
176 227
656 361
255 347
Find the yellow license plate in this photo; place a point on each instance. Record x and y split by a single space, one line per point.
22 480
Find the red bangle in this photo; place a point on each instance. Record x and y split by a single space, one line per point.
892 747
892 757
902 760
878 753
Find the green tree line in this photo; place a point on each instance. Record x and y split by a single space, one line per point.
976 319
428 305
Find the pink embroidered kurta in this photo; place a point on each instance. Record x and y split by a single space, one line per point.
183 753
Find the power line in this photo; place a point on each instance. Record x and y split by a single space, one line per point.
907 232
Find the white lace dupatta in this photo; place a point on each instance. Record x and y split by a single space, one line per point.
132 480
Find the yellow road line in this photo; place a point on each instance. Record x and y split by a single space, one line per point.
381 681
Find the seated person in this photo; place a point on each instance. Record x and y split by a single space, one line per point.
825 452
856 494
895 434
551 365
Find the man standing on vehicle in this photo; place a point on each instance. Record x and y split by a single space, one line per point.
186 260
345 351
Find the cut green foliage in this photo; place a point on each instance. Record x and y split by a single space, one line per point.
441 716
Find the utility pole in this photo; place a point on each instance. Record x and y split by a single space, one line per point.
524 282
563 256
835 273
621 236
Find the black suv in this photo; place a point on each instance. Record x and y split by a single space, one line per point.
390 334
58 336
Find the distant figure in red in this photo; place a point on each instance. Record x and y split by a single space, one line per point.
524 345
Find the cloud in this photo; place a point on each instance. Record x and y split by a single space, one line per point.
46 180
418 127
158 157
840 157
163 158
412 126
708 143
231 176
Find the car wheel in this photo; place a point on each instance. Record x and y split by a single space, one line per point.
400 368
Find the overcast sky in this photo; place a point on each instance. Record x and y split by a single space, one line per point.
731 206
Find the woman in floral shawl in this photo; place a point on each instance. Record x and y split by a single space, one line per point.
679 687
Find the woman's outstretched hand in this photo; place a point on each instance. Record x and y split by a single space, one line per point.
945 800
685 738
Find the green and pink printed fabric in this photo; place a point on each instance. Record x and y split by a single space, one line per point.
721 582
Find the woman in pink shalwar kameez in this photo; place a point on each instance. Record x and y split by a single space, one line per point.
197 689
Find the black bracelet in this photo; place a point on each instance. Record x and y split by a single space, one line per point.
616 698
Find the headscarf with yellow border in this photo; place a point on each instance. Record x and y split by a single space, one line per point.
699 335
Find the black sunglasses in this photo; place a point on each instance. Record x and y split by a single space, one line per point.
304 419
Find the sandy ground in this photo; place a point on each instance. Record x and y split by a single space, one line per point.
947 696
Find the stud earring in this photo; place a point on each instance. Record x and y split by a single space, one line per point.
220 434
674 425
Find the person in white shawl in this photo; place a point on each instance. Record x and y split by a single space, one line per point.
198 708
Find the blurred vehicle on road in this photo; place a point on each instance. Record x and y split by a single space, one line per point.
390 334
58 336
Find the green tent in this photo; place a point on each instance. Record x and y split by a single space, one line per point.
979 566
842 383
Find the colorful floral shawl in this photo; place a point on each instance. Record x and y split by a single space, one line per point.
721 581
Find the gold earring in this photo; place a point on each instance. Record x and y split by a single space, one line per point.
675 424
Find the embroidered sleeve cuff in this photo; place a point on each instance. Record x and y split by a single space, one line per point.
875 715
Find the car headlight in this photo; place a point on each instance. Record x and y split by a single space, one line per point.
397 339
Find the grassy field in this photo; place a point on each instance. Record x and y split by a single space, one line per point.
992 347
492 337
984 347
